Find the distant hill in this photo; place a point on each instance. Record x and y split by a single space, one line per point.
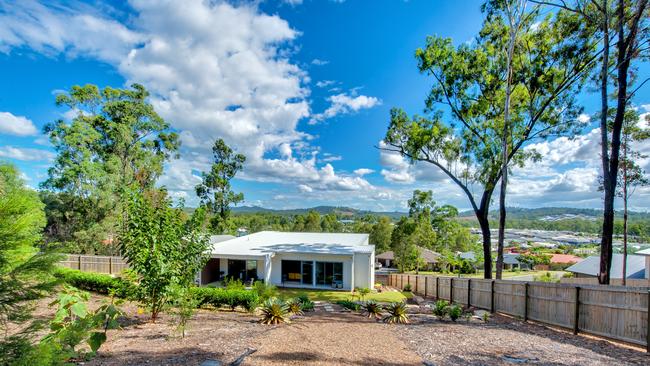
555 214
323 210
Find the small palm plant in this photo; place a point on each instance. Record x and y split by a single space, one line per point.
455 312
371 308
295 306
440 308
274 311
363 292
396 313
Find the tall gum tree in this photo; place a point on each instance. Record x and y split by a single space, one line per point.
462 131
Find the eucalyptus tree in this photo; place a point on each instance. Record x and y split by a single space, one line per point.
114 140
624 28
215 191
463 129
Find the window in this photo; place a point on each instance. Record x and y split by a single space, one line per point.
244 270
298 272
329 273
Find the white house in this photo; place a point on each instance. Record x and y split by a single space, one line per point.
286 259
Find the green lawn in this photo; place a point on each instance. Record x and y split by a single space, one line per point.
332 296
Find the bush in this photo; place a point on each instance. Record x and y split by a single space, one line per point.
455 312
546 277
233 284
305 303
350 305
274 311
264 291
98 282
363 292
407 287
219 297
294 306
440 308
372 309
396 313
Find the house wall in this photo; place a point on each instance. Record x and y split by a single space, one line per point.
364 270
276 265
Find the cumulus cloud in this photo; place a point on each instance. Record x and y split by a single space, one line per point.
25 154
319 62
363 171
345 104
16 125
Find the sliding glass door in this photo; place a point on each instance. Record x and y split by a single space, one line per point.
329 273
298 272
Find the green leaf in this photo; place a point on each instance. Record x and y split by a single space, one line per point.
79 309
96 340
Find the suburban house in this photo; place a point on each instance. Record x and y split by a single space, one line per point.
511 262
431 258
590 266
559 262
646 254
288 259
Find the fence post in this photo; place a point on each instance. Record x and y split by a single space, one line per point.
469 292
647 336
492 296
79 264
576 314
437 288
451 290
426 283
526 301
110 265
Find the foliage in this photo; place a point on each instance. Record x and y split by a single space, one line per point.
455 312
407 287
294 306
546 277
350 305
380 234
232 283
25 274
440 308
98 282
264 291
215 191
218 297
305 303
274 311
485 317
363 292
184 305
115 140
74 324
396 313
162 249
372 309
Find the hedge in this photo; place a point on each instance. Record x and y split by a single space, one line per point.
104 284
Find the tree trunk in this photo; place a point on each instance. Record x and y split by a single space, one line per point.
625 162
482 217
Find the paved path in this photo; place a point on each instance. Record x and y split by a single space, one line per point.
332 338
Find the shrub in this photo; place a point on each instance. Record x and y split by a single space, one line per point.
545 277
184 305
233 284
98 282
294 306
274 311
371 308
407 287
396 313
363 292
219 297
305 303
440 308
264 291
455 312
350 305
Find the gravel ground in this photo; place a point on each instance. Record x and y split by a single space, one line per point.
322 338
505 341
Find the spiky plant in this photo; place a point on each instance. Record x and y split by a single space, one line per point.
440 308
274 311
295 307
371 308
396 313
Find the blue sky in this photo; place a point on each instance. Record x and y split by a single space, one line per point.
312 82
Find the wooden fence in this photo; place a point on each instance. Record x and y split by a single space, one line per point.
616 312
95 263
631 282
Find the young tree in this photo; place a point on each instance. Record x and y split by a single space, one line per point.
164 250
115 140
25 273
469 82
215 191
380 234
624 27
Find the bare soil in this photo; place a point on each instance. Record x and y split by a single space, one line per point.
343 338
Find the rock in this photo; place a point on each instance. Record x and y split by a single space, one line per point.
211 363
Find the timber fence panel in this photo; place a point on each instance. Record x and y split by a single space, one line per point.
95 263
509 297
481 293
419 284
460 290
551 303
444 288
614 312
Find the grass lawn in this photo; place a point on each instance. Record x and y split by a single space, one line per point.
332 296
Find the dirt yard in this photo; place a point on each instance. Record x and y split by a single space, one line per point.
342 338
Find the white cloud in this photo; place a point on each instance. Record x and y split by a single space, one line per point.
363 171
319 62
327 157
25 154
344 104
325 83
16 125
584 118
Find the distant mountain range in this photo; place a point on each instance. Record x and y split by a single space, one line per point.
542 214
